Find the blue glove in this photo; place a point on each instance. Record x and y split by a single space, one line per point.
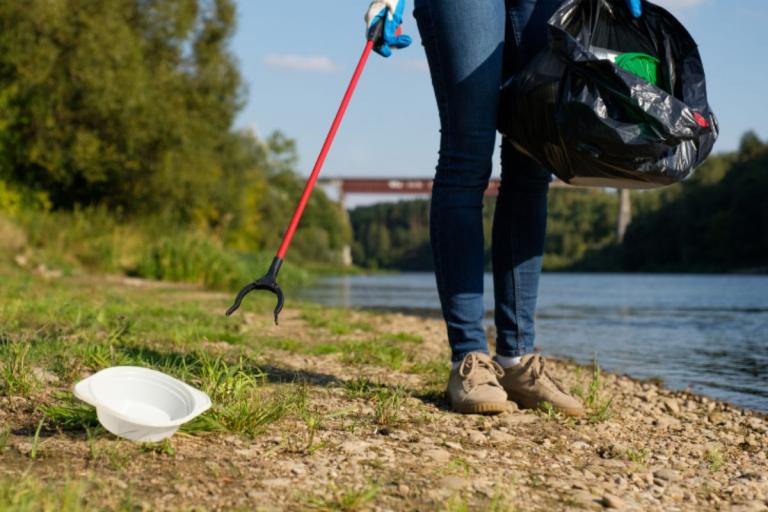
391 12
635 7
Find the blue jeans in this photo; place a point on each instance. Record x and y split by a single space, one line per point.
471 47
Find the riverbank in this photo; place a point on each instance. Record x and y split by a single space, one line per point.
333 410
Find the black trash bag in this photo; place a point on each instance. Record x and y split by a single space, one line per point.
594 124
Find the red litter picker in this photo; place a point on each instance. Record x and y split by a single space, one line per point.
269 280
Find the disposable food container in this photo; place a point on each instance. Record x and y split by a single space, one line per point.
141 404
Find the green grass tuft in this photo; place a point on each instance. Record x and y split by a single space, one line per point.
16 376
31 495
336 321
68 413
345 500
599 408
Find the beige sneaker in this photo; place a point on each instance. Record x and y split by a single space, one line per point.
473 387
529 384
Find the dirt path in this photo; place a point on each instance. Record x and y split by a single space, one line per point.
366 429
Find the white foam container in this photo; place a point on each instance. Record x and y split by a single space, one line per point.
141 404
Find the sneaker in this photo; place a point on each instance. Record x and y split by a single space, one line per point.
529 384
473 387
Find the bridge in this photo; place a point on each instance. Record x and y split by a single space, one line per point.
423 187
399 186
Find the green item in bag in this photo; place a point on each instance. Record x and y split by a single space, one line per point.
640 64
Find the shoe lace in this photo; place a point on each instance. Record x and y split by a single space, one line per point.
472 367
539 370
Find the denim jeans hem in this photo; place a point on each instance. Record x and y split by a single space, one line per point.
459 356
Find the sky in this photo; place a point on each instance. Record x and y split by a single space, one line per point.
297 56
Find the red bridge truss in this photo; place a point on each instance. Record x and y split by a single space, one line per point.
404 186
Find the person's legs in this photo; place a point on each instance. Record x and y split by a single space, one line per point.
464 42
519 222
519 227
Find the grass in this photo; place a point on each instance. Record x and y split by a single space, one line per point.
93 239
715 459
81 325
599 408
547 410
36 440
114 455
29 494
336 321
164 447
459 465
5 435
345 499
379 351
361 387
68 413
387 403
17 377
639 457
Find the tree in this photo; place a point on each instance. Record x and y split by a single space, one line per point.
128 103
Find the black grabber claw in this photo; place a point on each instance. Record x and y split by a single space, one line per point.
267 282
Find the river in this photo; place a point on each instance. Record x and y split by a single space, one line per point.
706 333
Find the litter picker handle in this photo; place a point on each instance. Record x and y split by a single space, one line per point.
268 281
326 147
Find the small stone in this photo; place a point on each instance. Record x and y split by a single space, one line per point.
23 447
453 445
438 455
454 483
611 501
584 498
276 482
617 450
512 420
672 405
668 475
497 436
256 495
580 445
44 376
717 418
665 421
354 446
298 469
476 437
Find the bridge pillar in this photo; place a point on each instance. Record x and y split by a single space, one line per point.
346 256
625 214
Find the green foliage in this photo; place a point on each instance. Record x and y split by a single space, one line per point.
396 235
121 112
15 374
191 258
344 499
715 221
578 221
715 459
599 407
68 413
30 494
125 102
392 235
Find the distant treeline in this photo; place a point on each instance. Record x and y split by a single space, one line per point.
125 108
715 221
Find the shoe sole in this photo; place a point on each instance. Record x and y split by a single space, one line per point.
482 408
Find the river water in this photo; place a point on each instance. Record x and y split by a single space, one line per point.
707 333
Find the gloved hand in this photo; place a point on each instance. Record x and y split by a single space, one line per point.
391 11
635 7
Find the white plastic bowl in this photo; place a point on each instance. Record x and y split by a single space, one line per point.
141 404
